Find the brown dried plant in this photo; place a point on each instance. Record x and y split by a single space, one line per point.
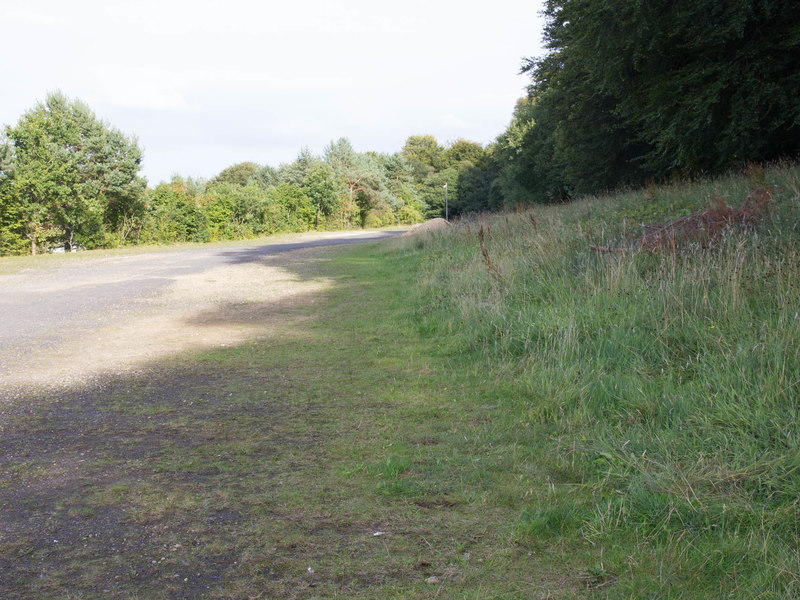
491 266
704 227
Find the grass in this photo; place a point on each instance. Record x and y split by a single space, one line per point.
533 421
661 386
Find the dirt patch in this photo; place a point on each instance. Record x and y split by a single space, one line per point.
430 225
706 226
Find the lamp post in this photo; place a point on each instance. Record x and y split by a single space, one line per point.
446 215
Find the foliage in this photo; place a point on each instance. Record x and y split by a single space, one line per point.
633 90
295 172
174 214
238 174
424 153
265 177
71 179
320 186
462 151
296 208
233 211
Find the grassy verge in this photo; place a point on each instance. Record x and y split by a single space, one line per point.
655 393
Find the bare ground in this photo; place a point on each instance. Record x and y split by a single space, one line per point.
222 306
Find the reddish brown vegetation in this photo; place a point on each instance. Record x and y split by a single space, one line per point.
705 226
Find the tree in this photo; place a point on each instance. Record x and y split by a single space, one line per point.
425 155
238 174
463 151
631 90
402 188
234 211
12 221
363 176
73 178
265 177
320 187
295 172
432 192
174 212
296 209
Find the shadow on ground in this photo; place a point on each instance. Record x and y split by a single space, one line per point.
181 481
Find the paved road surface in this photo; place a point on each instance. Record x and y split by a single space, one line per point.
44 308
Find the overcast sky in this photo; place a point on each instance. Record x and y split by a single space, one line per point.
204 85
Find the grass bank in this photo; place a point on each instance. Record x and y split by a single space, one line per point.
652 394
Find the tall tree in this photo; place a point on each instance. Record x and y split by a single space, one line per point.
265 177
632 89
424 153
462 151
320 187
295 172
74 178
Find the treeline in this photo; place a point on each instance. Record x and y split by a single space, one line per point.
68 180
632 90
340 189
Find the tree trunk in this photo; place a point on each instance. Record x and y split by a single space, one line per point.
350 208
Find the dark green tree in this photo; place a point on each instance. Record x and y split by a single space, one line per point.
632 89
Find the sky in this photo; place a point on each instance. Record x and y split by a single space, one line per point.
206 84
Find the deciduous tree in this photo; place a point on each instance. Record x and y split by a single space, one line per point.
72 177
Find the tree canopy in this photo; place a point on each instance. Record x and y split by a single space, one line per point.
632 90
238 174
68 178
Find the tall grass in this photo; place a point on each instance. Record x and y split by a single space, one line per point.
661 387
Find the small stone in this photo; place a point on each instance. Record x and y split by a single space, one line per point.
432 579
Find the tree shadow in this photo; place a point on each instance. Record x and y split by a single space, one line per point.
260 253
157 483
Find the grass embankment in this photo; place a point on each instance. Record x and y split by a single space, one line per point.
535 420
653 395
